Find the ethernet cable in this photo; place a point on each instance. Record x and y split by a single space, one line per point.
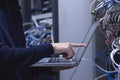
116 43
118 1
100 77
115 51
100 53
109 76
99 10
114 66
101 7
106 72
93 2
114 71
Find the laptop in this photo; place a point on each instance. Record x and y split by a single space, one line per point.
60 61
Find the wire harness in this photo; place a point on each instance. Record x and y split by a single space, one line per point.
113 53
107 13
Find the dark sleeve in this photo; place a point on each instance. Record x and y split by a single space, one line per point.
22 57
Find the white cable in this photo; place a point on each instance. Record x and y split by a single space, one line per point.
108 11
27 23
100 77
112 58
99 25
114 51
116 43
114 66
117 1
93 2
92 5
101 19
99 66
118 19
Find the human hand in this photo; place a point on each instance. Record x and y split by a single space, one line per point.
66 48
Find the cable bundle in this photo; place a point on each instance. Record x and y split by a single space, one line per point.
98 8
107 13
115 64
38 35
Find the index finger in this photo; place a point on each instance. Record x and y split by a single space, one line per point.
77 45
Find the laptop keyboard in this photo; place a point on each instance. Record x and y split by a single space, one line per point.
59 59
55 61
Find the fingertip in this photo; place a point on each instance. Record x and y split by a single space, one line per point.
84 44
78 45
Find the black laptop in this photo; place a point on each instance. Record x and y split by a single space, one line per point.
60 61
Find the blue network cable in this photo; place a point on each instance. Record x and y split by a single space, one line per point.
98 55
109 75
